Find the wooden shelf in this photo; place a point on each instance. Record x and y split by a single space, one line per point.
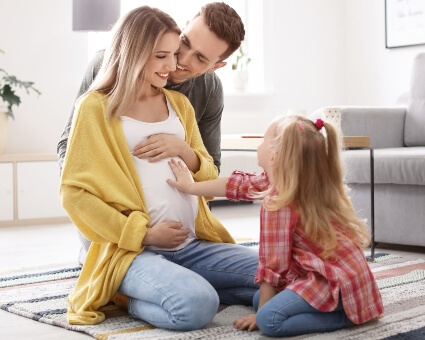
27 157
356 142
30 183
239 143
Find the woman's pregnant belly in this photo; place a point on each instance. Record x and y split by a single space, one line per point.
163 202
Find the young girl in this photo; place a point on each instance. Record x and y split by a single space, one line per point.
312 271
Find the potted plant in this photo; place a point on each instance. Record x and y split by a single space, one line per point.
240 69
242 60
8 98
8 85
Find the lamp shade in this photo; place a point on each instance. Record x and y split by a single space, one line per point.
94 15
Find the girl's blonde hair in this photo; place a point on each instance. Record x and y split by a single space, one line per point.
308 172
134 39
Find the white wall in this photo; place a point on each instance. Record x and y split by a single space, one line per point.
374 75
318 52
40 46
303 48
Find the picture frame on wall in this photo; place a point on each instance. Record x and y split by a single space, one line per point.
404 23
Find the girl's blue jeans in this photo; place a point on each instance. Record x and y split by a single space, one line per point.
182 289
288 314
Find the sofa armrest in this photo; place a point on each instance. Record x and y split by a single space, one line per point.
384 125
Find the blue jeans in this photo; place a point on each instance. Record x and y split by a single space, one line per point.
182 289
288 314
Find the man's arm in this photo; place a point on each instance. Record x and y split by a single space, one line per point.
89 75
210 123
205 93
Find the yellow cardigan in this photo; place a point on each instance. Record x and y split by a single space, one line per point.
99 181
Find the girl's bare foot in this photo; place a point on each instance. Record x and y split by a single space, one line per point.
377 318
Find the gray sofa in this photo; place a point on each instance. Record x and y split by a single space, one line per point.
397 136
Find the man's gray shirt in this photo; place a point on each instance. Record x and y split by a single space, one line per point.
205 93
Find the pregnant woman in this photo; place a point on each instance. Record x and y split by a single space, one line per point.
162 249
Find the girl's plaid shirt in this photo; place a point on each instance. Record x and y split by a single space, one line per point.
288 260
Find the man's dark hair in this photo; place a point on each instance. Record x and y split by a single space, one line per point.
226 24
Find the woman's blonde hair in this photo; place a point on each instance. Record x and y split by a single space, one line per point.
134 39
308 172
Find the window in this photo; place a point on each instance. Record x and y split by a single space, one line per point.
250 12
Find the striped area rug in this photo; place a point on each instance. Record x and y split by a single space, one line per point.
41 295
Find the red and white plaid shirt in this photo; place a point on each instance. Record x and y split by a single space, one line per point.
288 260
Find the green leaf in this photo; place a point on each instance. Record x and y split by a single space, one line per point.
9 82
9 96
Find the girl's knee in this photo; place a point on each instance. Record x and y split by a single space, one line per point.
266 322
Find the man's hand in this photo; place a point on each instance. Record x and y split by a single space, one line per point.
246 322
166 235
183 180
160 146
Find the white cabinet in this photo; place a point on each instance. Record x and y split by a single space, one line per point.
29 190
6 192
238 160
38 190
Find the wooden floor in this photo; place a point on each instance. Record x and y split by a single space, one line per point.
33 246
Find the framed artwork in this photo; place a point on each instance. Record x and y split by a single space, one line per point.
404 23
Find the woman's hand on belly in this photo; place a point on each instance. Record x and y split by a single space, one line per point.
166 235
159 146
162 146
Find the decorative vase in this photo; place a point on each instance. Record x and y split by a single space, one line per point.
332 115
4 121
240 80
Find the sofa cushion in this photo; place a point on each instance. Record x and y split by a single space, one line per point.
414 128
392 166
385 126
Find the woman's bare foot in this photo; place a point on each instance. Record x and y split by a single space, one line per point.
121 301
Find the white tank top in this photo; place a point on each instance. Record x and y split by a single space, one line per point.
163 202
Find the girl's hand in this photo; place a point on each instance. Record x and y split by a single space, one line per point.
183 180
246 322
